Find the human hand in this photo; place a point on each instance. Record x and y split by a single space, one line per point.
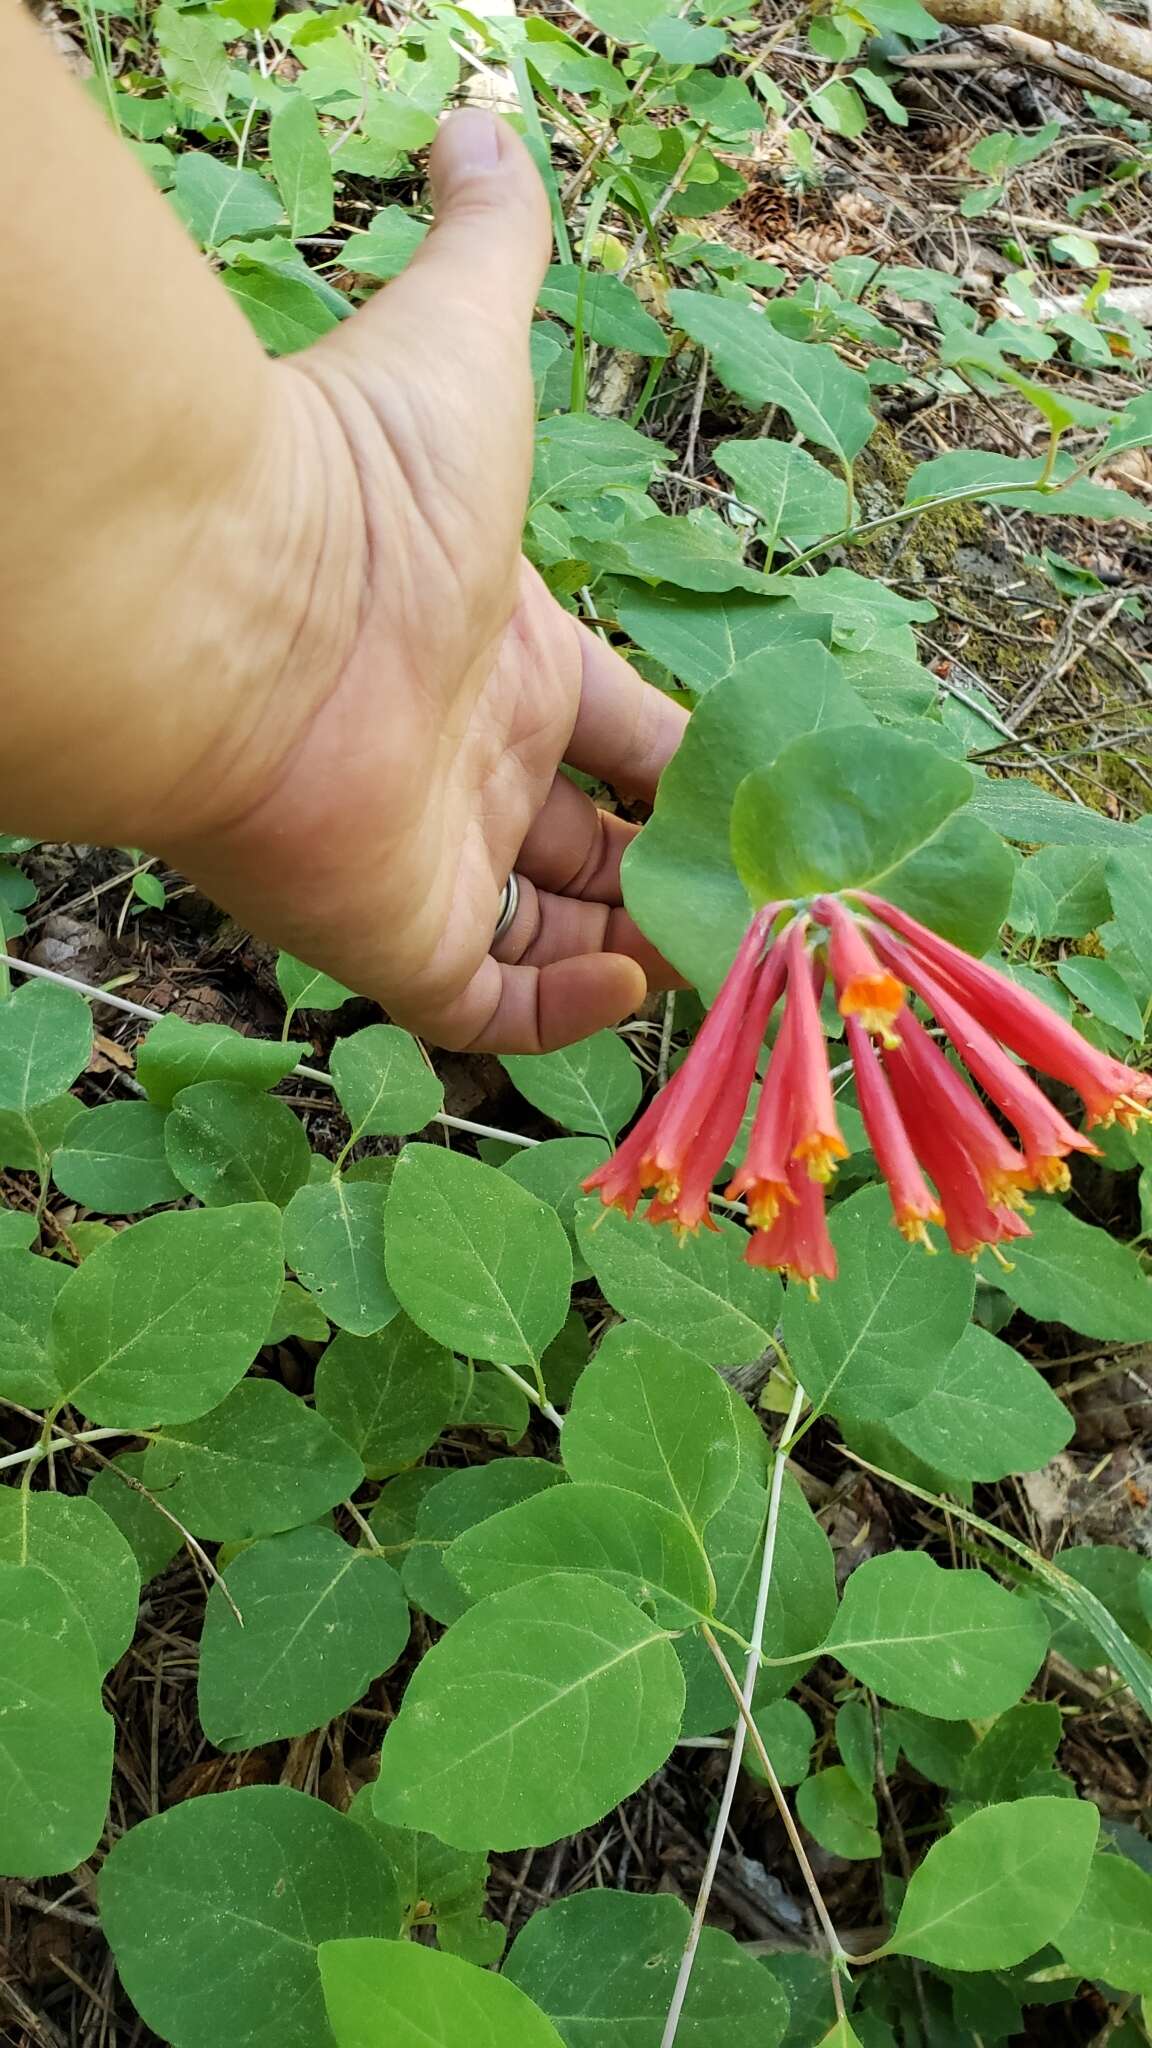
408 759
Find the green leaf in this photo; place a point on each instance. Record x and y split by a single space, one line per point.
553 1171
1000 1886
152 1539
1129 875
1021 811
305 988
603 1964
285 314
593 1086
788 1735
193 60
648 1416
476 1260
18 1229
579 455
334 1241
215 200
389 1395
536 1713
256 1879
876 1345
939 1750
700 1294
682 551
114 1160
603 307
438 1886
826 401
386 245
301 166
991 1414
45 1041
1023 1740
1113 1577
679 881
1070 1272
838 107
56 1757
797 498
625 21
1011 480
702 639
321 1621
841 809
1132 428
488 1400
160 1322
461 1501
1058 894
76 1545
620 1537
29 1287
1110 1932
959 882
176 1053
840 1813
396 1994
259 1463
386 1086
1104 993
28 1138
297 1315
950 1643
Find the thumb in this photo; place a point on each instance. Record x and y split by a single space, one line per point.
492 233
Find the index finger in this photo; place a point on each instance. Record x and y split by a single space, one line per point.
626 730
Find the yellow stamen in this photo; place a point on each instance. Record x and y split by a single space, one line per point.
819 1152
1051 1175
914 1230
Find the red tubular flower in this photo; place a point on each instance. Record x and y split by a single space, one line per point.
1001 1169
698 1114
913 1203
1111 1092
796 1119
970 1220
797 1242
864 988
1046 1136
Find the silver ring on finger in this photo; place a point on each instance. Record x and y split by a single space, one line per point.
509 905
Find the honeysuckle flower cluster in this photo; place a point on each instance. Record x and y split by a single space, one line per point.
946 1158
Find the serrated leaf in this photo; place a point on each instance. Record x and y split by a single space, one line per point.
160 1322
824 399
876 1346
114 1160
259 1463
1000 1886
301 166
532 1717
603 1964
1109 1935
649 1417
321 1621
618 1536
257 1879
1073 1273
460 1501
990 1414
175 1054
56 1757
216 200
701 1295
392 1994
603 307
334 1240
78 1547
950 1643
45 1041
388 1395
477 1261
385 1085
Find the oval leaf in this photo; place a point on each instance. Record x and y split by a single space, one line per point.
951 1643
395 1994
1000 1886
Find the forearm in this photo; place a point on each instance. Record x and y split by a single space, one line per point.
150 516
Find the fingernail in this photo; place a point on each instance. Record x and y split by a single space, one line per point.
472 137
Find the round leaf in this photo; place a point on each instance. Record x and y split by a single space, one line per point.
535 1714
56 1756
477 1261
699 1294
91 1564
1110 1933
650 1418
255 1880
45 1041
159 1323
951 1643
334 1240
114 1160
29 1288
389 1395
592 1087
1000 1886
176 1053
788 1735
259 1463
840 1813
395 1994
386 1086
991 1414
459 1501
321 1621
1070 1272
227 1143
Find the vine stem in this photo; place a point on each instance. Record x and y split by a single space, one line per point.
743 1697
60 1443
530 1392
